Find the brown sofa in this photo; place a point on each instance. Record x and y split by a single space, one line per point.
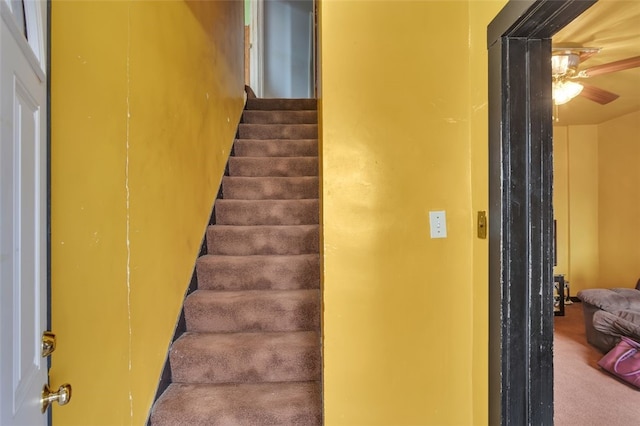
609 314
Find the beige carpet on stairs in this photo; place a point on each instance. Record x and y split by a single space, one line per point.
251 352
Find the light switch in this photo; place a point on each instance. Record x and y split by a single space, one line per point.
438 222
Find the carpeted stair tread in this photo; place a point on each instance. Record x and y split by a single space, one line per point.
270 188
246 357
280 117
258 272
275 147
252 310
278 131
281 104
267 212
273 166
289 403
262 239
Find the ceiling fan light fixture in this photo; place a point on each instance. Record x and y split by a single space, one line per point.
564 91
564 64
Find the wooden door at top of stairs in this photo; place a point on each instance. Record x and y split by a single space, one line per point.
23 211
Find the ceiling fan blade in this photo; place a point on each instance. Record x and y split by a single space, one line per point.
597 94
584 55
623 64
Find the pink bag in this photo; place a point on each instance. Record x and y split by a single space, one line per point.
623 361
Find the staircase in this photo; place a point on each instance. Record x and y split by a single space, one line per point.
251 353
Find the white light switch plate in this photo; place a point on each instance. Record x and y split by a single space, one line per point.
438 222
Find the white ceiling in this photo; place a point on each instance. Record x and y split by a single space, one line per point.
613 26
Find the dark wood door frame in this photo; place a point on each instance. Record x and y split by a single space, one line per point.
521 211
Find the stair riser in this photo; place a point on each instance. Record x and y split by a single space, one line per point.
277 131
280 117
262 240
243 404
282 167
275 148
202 358
218 312
281 104
258 272
270 188
267 212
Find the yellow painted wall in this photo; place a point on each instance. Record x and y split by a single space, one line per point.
404 130
561 199
583 206
146 97
619 201
597 203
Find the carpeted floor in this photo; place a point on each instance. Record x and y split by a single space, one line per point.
584 394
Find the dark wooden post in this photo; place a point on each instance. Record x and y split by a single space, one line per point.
521 211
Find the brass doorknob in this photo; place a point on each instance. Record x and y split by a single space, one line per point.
63 396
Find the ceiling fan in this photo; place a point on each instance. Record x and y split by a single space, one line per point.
564 69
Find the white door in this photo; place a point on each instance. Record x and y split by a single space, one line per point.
23 214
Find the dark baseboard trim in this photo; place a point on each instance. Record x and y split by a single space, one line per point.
180 328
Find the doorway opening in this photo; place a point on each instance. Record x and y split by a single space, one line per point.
595 153
281 54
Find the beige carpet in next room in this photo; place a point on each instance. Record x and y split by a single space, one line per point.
584 394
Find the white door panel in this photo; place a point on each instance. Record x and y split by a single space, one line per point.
23 244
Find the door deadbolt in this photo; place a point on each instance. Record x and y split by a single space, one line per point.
48 343
63 396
